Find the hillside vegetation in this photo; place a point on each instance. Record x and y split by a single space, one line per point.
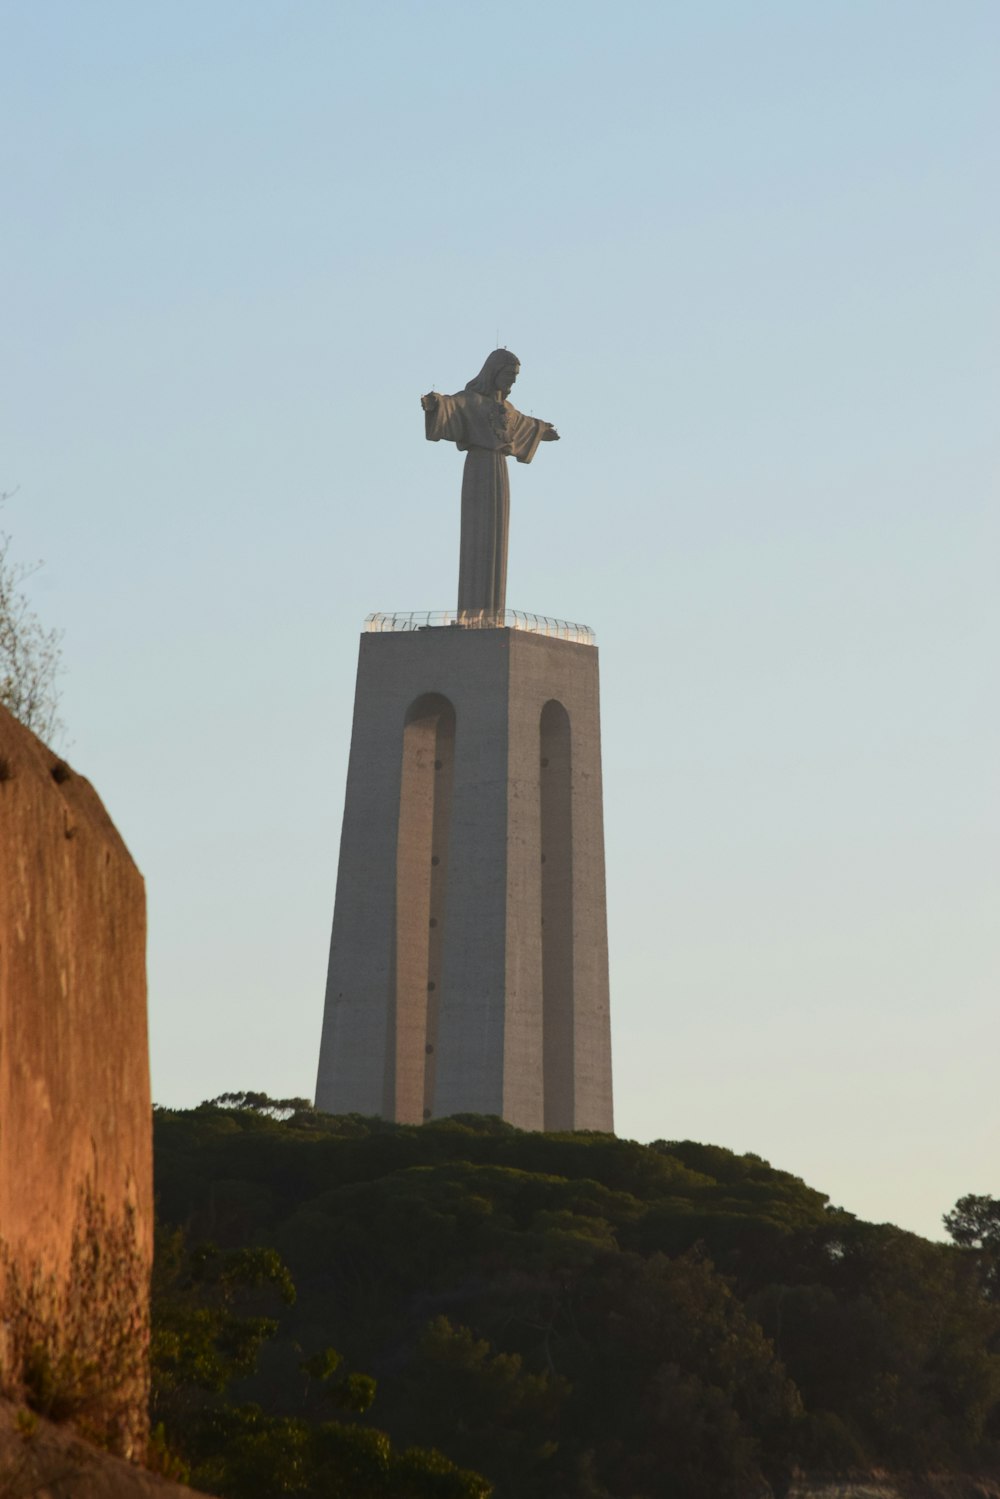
571 1316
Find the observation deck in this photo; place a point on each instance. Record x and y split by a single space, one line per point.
511 619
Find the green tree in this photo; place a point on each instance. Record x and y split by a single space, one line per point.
579 1317
209 1326
205 1331
461 1394
261 1103
675 1388
974 1223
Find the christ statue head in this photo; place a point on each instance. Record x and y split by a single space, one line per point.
497 374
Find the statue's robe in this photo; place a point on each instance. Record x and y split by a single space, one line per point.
488 431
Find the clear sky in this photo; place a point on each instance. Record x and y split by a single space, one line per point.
748 252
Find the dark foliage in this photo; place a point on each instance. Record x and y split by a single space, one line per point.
974 1223
581 1317
209 1330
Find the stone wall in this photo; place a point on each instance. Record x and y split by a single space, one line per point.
75 1126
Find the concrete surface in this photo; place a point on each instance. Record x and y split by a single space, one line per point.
473 815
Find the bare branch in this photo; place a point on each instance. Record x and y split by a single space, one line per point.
30 655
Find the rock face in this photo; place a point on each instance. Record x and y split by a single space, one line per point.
41 1461
75 1126
889 1486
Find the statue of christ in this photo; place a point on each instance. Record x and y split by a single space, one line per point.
487 428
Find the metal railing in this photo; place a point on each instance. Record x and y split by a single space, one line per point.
512 619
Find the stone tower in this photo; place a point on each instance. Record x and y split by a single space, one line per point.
469 959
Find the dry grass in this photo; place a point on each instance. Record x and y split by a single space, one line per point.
76 1348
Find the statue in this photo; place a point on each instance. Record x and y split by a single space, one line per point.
483 424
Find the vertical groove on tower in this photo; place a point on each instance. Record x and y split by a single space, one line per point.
421 863
555 781
444 775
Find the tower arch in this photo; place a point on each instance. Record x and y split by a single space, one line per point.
555 776
422 845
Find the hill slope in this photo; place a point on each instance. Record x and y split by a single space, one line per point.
580 1317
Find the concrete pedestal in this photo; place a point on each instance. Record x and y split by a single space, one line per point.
469 963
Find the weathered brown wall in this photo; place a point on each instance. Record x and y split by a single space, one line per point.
74 1071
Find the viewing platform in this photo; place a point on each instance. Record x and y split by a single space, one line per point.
512 619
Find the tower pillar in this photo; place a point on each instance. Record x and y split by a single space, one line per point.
468 963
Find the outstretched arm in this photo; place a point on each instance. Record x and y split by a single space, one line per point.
526 433
442 417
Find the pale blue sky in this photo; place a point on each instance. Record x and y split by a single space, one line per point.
748 255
